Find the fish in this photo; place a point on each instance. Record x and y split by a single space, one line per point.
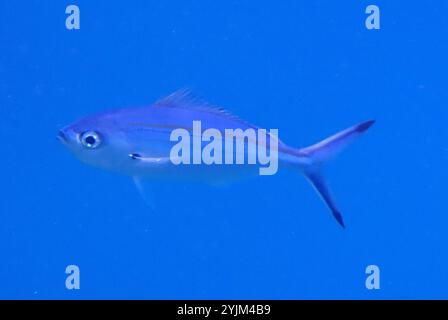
138 142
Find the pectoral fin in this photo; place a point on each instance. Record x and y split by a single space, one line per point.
138 157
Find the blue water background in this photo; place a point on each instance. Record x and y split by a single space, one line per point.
308 68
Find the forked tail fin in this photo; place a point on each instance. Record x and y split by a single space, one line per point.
325 149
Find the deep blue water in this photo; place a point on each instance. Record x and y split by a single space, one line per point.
309 68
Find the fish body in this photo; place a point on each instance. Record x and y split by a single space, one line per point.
138 142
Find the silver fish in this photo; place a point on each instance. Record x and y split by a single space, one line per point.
136 142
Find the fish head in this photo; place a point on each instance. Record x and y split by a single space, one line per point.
97 141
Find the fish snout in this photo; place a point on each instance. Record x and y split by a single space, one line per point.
66 135
61 136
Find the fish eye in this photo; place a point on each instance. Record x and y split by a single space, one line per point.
90 139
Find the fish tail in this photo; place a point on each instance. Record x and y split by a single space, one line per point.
320 152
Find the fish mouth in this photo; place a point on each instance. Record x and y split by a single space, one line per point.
62 137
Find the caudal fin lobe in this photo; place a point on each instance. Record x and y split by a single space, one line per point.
324 150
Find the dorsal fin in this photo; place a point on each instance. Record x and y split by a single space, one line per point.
184 99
